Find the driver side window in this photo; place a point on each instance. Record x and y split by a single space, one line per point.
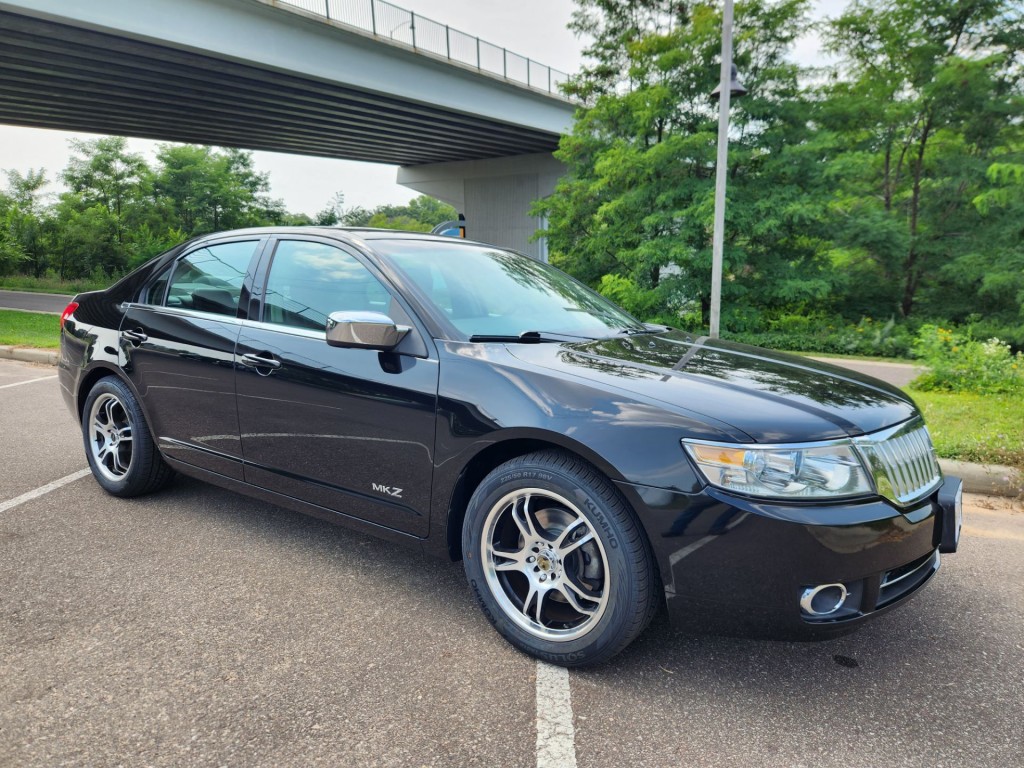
309 280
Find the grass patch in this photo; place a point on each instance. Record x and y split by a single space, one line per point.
53 284
968 427
29 329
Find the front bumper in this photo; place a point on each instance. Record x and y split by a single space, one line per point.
732 565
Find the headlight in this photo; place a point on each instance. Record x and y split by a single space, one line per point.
782 471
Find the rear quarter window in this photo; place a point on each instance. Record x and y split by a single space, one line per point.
210 279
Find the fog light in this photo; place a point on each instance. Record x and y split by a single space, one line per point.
823 600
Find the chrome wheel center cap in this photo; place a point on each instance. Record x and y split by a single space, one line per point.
547 562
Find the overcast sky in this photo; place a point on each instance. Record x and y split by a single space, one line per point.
533 28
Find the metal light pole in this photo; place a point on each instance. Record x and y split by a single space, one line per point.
728 85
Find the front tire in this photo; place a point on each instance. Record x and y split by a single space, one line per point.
557 559
118 445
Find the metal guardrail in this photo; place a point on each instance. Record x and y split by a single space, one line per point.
387 21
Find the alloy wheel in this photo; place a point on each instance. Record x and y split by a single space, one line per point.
545 565
110 437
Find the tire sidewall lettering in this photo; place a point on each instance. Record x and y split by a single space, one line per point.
525 474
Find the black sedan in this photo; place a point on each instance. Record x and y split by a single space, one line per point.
478 404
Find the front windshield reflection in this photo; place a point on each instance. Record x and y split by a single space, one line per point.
484 291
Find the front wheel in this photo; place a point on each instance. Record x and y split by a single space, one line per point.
121 453
557 560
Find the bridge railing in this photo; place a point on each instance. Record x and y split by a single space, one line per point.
391 22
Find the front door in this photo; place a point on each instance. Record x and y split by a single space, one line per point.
350 430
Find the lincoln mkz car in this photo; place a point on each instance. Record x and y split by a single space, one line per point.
477 404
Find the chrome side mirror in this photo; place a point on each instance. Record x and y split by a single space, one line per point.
365 330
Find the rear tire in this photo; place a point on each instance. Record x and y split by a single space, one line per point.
557 560
118 444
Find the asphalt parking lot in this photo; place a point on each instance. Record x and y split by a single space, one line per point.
197 627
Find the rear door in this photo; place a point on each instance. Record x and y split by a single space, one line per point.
351 430
179 344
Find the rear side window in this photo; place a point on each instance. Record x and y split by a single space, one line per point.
154 292
308 281
210 279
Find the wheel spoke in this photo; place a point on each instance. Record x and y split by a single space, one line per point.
576 544
572 593
568 533
540 605
118 466
513 561
530 595
523 520
124 434
108 411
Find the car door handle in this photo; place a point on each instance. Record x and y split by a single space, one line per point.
135 337
258 361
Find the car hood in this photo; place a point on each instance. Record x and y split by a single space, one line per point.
769 396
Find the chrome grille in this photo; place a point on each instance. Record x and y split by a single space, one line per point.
902 461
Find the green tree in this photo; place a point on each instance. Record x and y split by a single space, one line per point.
331 214
86 239
637 200
23 216
420 214
203 189
102 171
923 97
992 268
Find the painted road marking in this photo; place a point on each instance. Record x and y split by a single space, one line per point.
556 738
30 381
43 490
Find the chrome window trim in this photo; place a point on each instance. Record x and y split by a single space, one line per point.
182 312
290 330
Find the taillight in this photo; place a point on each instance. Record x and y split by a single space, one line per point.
68 311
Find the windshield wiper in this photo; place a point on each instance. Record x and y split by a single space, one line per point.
527 337
645 329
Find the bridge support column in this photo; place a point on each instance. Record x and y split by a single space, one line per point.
495 195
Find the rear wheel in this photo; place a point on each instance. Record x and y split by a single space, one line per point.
121 453
557 560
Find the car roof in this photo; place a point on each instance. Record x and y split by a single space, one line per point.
348 234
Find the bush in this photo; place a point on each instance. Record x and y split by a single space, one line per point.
983 328
958 363
817 334
639 302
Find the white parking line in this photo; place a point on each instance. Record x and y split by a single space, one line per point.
43 490
556 738
30 381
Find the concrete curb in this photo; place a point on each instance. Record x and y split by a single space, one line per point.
992 479
26 355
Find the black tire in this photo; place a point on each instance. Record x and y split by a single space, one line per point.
118 444
557 559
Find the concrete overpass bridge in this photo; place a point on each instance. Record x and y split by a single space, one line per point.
312 77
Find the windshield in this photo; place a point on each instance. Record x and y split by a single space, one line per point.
484 292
